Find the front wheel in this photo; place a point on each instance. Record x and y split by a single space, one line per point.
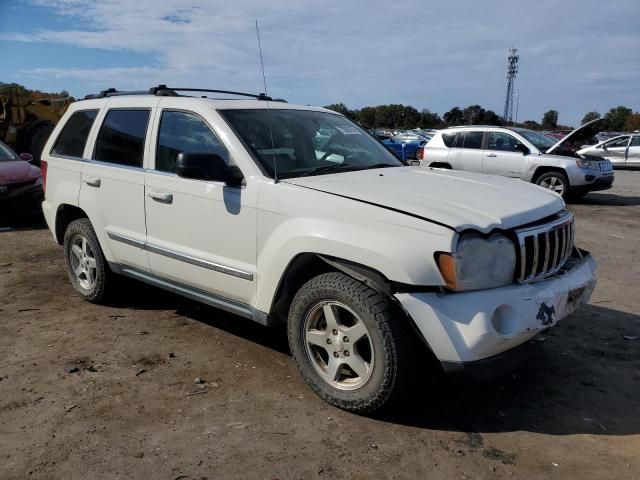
351 344
556 182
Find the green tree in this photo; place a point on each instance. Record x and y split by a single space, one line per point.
367 117
340 108
531 125
617 118
429 119
453 117
473 115
550 120
589 117
633 122
491 118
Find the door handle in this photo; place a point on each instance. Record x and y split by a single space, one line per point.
92 181
491 155
162 197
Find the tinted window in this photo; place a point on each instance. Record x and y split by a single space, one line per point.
635 141
473 140
502 141
121 137
184 132
73 137
449 138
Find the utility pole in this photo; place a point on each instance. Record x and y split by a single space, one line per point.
512 71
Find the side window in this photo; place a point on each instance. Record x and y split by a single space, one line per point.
73 136
502 141
619 142
121 137
449 138
635 142
473 140
184 132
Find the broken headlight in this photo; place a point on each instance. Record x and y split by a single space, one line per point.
479 263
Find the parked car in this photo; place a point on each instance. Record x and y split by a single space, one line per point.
20 184
405 145
368 262
521 153
622 151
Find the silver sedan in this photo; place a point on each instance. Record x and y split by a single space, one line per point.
622 151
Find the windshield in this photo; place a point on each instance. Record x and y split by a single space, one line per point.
540 141
6 154
303 142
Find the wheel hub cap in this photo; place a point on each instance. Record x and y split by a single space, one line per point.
83 262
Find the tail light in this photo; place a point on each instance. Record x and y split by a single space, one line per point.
43 168
420 153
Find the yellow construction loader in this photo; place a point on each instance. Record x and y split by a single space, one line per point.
26 124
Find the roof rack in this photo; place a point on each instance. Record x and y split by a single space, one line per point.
164 91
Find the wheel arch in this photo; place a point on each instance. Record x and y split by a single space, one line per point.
304 266
545 169
65 214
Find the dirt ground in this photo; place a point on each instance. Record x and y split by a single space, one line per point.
109 392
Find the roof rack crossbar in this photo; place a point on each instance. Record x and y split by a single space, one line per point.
164 91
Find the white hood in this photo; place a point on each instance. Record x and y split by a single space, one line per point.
460 200
569 145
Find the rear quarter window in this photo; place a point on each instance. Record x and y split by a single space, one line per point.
450 138
74 134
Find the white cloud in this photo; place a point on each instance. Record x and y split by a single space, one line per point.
434 54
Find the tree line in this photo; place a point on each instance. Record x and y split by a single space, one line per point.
27 94
619 118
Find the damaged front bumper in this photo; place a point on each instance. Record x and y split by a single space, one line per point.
466 327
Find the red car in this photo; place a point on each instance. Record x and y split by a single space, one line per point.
21 191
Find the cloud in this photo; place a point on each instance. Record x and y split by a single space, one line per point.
434 55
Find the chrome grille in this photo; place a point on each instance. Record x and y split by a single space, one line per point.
605 166
545 248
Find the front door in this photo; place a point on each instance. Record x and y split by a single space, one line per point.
616 150
633 152
502 155
112 189
200 233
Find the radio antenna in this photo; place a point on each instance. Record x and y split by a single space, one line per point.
264 82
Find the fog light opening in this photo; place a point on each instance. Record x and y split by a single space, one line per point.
505 321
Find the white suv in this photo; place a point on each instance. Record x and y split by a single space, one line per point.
237 204
521 153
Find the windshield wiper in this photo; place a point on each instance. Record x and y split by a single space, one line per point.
328 168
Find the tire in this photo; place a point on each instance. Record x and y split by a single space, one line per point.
95 281
556 182
37 140
385 349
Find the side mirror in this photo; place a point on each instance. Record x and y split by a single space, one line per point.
27 157
207 166
604 147
523 148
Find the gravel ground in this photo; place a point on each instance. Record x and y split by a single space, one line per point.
92 391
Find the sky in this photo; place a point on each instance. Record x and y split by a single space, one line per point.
576 56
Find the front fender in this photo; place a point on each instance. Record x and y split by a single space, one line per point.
399 247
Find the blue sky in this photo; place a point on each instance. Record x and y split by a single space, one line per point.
576 55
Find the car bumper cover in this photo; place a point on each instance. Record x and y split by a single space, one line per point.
471 326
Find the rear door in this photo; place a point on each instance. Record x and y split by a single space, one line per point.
112 190
633 153
466 154
502 156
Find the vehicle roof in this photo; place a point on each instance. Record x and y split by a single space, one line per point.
217 103
472 126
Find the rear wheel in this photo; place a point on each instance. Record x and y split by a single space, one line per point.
556 182
351 344
86 266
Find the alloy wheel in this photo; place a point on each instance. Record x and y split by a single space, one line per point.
554 184
338 345
83 262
